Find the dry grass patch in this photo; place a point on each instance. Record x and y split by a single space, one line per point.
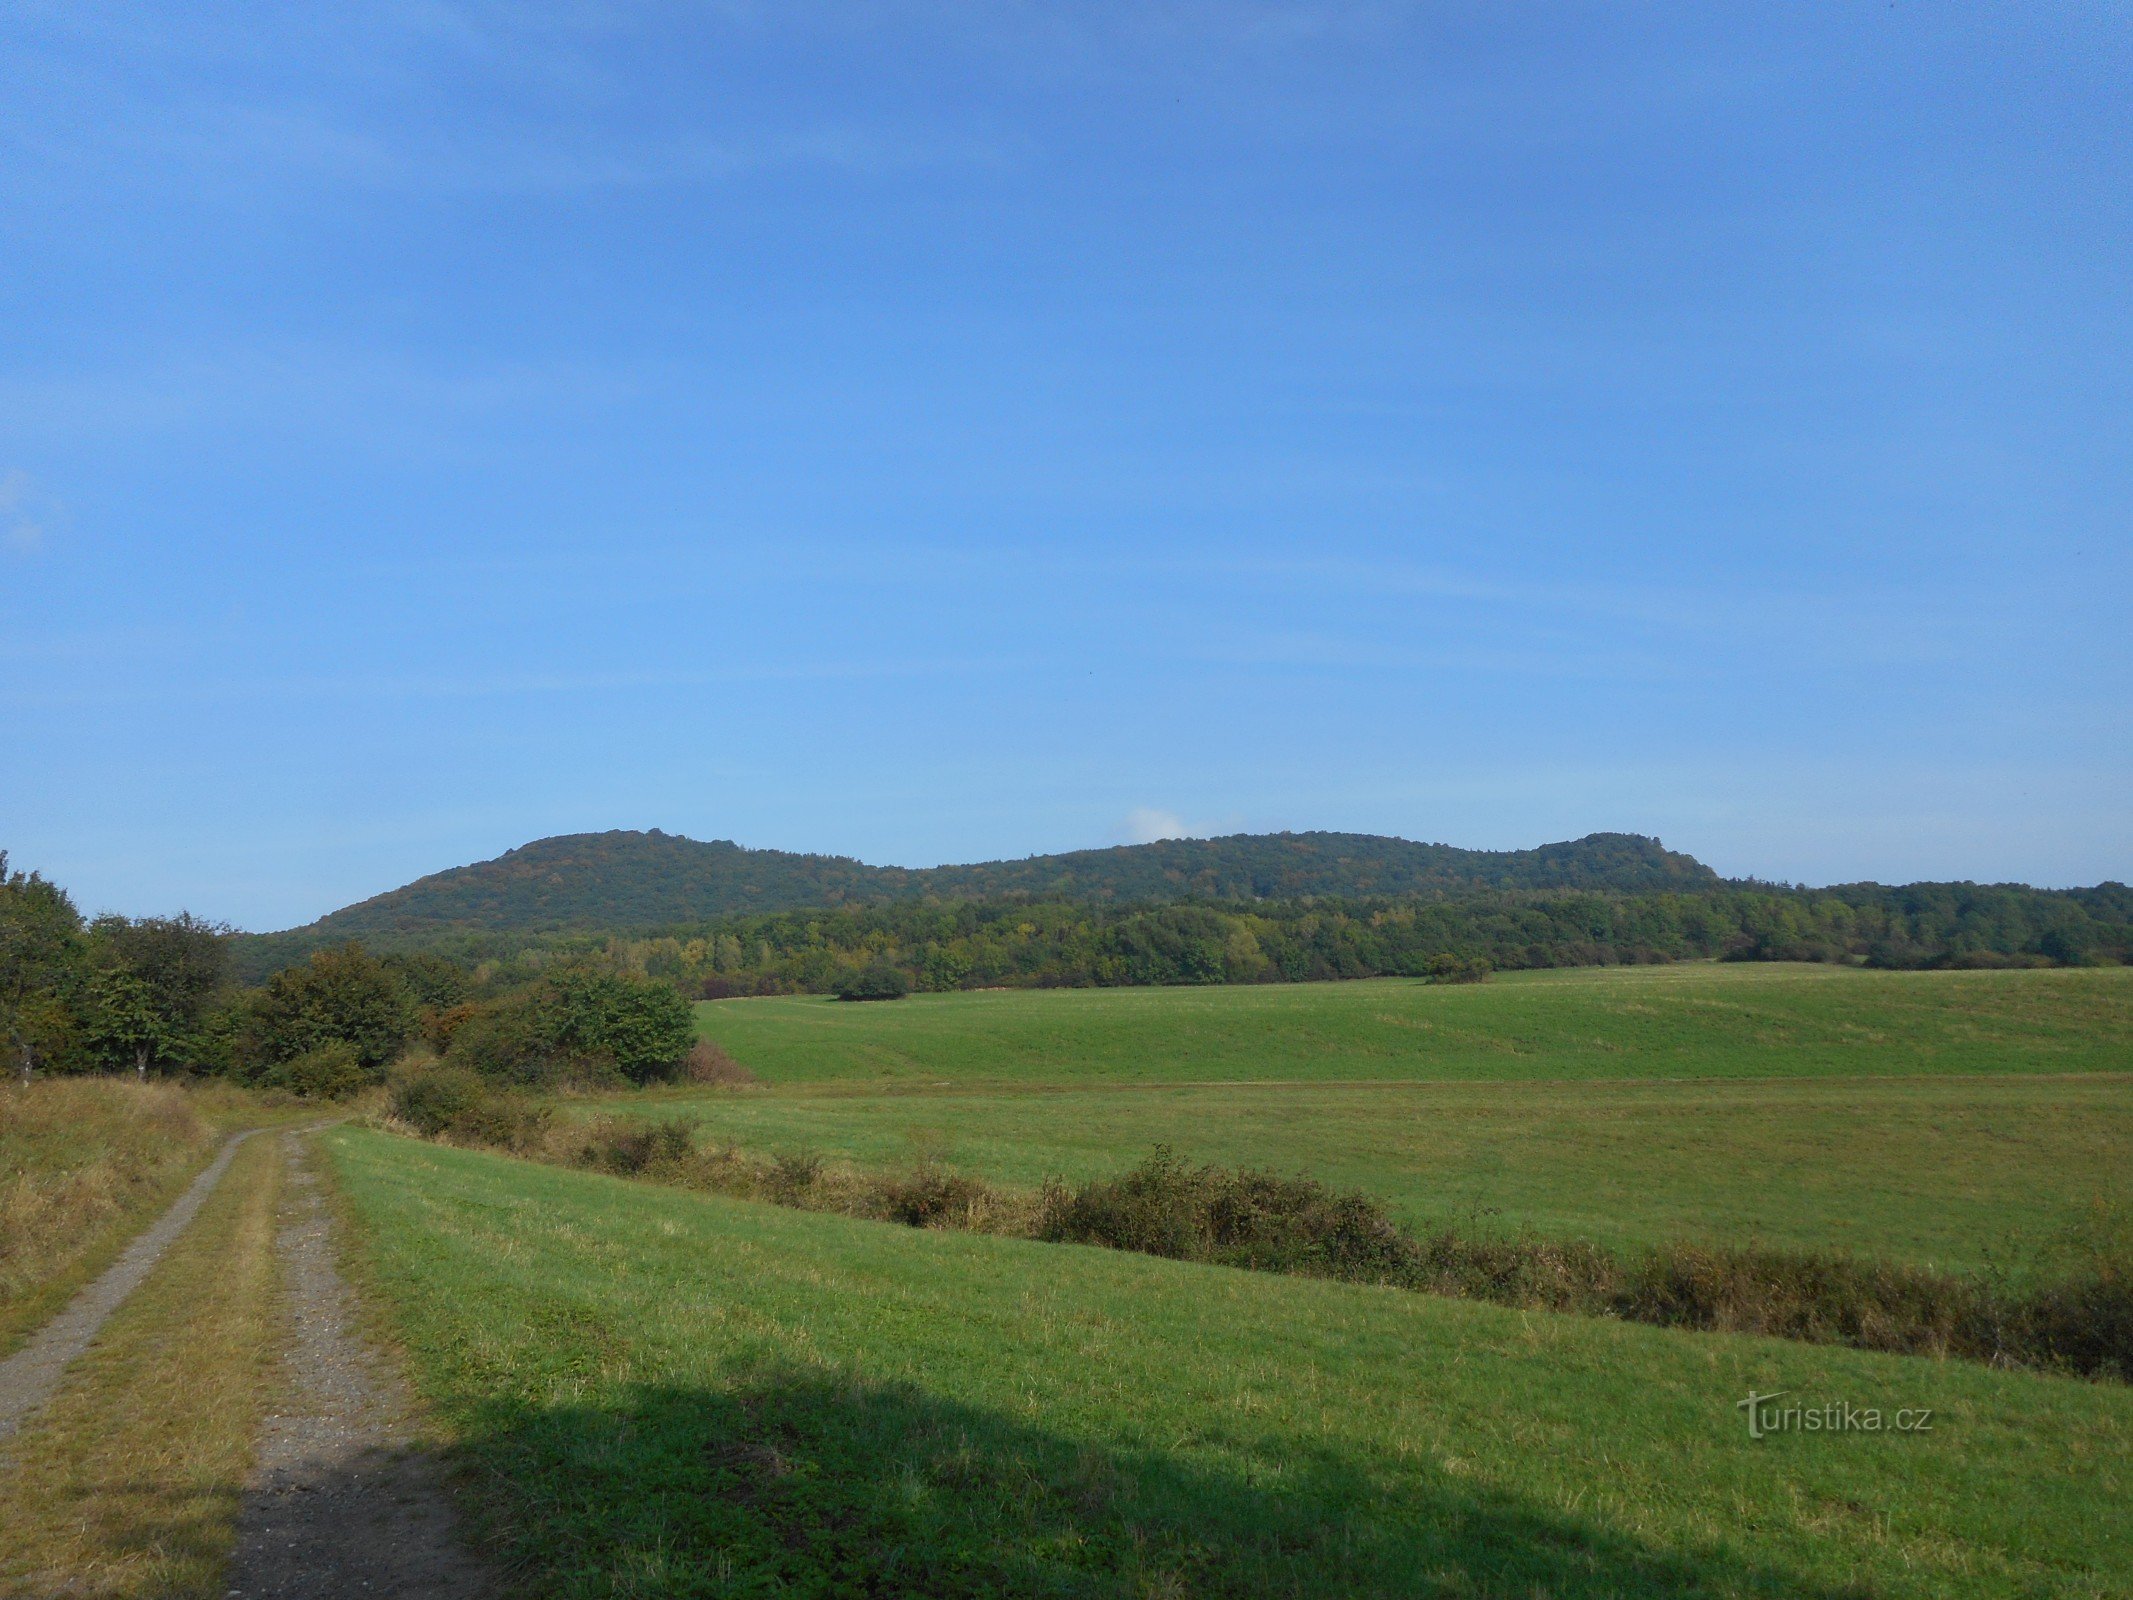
128 1484
84 1164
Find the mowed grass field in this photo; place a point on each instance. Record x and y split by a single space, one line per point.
1685 1021
1953 1173
665 1393
1953 1119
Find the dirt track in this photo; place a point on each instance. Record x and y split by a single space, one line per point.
31 1376
341 1502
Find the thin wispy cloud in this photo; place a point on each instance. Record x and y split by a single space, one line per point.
26 513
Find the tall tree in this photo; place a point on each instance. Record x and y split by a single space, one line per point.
125 1022
40 965
156 977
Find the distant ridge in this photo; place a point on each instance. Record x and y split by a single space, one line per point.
626 881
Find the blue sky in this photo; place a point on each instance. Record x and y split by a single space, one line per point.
936 432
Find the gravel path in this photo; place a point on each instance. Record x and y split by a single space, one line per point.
341 1501
30 1376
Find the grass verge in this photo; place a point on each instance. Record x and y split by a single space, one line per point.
85 1163
128 1484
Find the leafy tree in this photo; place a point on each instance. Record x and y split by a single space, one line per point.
125 1024
345 996
431 979
40 968
155 980
881 980
644 1028
579 1021
327 1072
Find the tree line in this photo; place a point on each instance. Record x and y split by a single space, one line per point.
1035 943
159 995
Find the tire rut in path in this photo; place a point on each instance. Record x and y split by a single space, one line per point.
341 1501
31 1376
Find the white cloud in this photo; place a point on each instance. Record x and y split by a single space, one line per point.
1146 824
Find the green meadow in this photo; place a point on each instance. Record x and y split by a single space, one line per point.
1687 1021
1951 1119
658 1392
1946 1172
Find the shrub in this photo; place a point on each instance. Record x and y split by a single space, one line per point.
1238 1218
644 1028
2085 1325
793 1175
504 1041
507 1120
430 1100
460 1105
440 1023
881 981
586 1026
707 1063
2079 1322
928 1198
331 1071
632 1147
1446 967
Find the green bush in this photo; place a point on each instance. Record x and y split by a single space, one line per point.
460 1105
1445 967
614 1144
341 996
331 1071
792 1177
579 1025
881 981
430 1099
1241 1218
928 1197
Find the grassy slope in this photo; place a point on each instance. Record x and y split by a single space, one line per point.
1690 1021
694 1396
1803 1131
1939 1171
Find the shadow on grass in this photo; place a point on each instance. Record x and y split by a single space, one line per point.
804 1484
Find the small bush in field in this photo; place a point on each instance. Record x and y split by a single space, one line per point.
331 1071
793 1175
707 1063
430 1100
881 981
928 1197
454 1103
614 1144
1238 1218
1449 968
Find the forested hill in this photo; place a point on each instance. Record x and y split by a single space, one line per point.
624 881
